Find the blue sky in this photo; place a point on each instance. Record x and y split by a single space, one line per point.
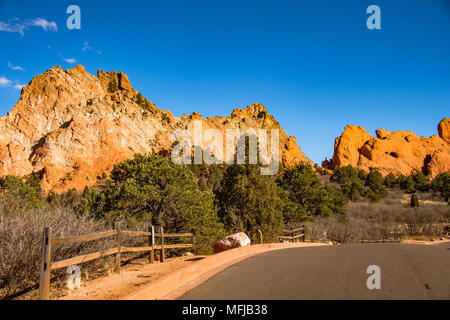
313 64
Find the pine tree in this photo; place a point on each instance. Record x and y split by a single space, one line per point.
249 201
414 200
155 190
306 191
374 181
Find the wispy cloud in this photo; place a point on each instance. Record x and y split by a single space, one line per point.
19 86
44 24
5 82
68 60
14 25
15 68
86 46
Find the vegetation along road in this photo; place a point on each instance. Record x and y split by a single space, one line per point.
336 272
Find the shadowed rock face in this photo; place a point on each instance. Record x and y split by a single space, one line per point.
398 152
444 129
70 126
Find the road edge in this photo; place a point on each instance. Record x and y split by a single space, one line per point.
179 282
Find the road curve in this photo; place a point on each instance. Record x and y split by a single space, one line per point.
335 272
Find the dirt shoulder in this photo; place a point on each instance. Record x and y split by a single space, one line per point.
135 274
407 241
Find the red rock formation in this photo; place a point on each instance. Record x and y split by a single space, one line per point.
444 129
70 126
347 146
399 152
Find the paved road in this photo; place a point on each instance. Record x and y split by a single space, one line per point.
335 272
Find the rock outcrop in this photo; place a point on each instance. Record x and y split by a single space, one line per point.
348 145
399 152
444 129
230 242
70 126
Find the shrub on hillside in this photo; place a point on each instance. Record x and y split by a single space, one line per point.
374 181
414 200
362 175
249 201
441 185
374 197
420 181
209 177
69 198
27 189
390 180
312 199
407 183
416 181
155 190
349 179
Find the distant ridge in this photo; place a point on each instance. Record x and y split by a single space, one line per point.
70 126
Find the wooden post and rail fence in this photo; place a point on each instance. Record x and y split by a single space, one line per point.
338 240
294 235
48 242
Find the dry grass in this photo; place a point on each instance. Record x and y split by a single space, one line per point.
20 243
388 219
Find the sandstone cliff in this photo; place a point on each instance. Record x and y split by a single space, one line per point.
444 129
70 126
398 152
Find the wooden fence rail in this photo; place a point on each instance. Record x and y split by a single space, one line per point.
338 240
380 241
48 242
293 236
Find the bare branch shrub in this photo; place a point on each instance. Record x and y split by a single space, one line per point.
387 219
21 235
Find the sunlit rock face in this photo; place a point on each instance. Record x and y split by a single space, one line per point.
399 152
70 126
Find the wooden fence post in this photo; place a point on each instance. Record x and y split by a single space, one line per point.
193 242
151 243
46 260
161 258
260 236
304 233
118 257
